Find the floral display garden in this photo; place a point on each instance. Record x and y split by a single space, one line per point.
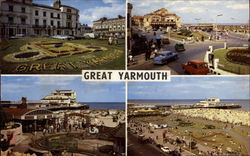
43 55
235 60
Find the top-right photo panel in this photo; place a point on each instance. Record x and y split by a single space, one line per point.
189 37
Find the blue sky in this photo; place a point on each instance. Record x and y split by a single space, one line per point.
36 87
204 11
236 87
91 10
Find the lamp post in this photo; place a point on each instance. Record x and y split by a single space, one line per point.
197 19
217 26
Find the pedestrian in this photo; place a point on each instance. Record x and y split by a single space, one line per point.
44 132
197 39
116 41
110 40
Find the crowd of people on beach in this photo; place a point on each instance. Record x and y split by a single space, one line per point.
237 117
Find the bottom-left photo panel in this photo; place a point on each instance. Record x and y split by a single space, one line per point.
61 115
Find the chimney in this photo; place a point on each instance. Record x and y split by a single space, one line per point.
24 102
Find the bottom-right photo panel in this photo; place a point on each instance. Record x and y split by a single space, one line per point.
189 116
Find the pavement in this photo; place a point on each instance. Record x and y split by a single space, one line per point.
157 137
135 148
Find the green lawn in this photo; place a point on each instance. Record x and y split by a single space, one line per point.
113 57
230 66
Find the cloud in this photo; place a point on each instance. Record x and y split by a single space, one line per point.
13 87
238 6
89 15
190 10
211 2
184 87
55 80
110 1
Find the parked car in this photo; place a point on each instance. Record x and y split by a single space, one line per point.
179 47
79 37
159 145
164 57
165 40
89 35
139 45
17 36
64 37
196 67
165 149
45 35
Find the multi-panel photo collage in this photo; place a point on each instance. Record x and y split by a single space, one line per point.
59 95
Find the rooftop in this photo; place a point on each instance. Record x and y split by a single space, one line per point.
17 111
110 19
45 6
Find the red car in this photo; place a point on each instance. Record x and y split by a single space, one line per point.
196 67
165 41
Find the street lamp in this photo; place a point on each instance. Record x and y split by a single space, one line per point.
197 19
217 26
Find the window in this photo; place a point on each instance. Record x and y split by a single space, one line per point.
23 10
68 24
11 8
52 23
23 1
68 16
51 15
58 24
36 22
44 22
58 15
23 21
11 20
68 10
44 14
36 13
24 31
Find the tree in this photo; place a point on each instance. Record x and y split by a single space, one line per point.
120 16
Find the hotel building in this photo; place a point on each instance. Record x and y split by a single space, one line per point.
31 19
110 27
159 18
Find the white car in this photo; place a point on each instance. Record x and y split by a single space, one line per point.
64 37
17 36
165 149
89 35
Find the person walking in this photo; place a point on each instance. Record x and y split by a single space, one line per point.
110 40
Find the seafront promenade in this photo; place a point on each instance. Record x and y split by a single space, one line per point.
229 116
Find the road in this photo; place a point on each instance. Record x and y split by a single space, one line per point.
135 148
194 51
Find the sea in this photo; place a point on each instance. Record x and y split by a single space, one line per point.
245 104
105 105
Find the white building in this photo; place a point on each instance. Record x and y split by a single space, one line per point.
83 29
61 97
107 27
31 19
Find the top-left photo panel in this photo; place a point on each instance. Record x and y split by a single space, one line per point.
61 36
